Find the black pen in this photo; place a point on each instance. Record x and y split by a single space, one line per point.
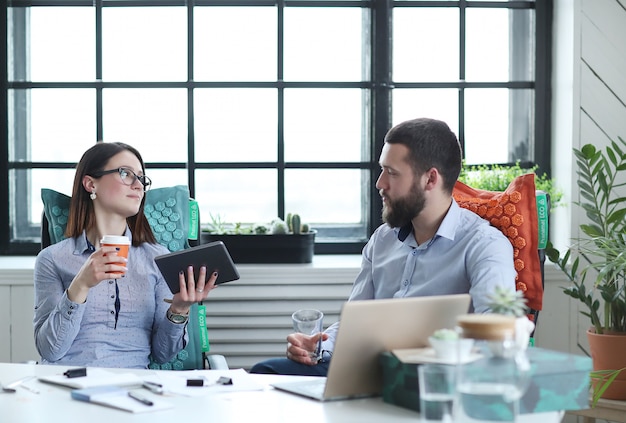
139 398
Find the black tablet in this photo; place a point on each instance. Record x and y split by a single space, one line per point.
213 255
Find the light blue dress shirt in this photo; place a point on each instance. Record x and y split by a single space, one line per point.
466 255
88 334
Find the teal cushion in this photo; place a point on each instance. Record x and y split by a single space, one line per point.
167 210
190 357
56 207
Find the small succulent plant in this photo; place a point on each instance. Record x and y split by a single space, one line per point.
445 334
507 302
291 225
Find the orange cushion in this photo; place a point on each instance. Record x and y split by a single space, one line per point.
514 212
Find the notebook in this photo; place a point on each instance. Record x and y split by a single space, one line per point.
369 328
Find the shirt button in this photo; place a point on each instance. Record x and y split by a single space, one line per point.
110 282
112 312
406 283
112 296
69 312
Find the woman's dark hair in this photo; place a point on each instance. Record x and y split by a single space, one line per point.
81 217
431 143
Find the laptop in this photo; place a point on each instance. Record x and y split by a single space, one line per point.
370 327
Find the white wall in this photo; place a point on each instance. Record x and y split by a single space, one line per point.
589 106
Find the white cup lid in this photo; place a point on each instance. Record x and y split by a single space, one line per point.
115 239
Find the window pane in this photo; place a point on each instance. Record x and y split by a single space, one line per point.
152 120
235 125
326 196
425 44
498 126
162 178
144 44
237 195
235 43
442 104
312 51
35 179
499 45
62 44
57 122
324 125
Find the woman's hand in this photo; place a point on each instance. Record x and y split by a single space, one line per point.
301 347
192 291
104 263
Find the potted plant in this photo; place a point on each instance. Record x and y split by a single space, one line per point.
595 263
512 303
498 178
279 241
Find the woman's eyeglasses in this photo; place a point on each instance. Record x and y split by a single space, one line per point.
127 176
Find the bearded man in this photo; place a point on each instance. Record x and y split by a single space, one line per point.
428 245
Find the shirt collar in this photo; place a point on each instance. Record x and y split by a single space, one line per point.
446 229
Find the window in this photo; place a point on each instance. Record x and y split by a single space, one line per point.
264 107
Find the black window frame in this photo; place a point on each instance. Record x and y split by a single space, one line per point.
380 87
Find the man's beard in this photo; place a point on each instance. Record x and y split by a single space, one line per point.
397 213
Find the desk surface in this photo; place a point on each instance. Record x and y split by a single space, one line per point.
53 405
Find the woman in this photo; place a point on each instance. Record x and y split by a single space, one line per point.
85 314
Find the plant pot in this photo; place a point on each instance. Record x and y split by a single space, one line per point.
253 248
607 353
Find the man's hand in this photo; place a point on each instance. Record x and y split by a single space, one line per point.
301 348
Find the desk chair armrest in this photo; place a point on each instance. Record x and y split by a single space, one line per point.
217 362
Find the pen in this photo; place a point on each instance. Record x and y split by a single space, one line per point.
153 387
139 398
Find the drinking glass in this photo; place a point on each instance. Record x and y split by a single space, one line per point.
309 322
436 388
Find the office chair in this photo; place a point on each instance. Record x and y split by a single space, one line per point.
175 222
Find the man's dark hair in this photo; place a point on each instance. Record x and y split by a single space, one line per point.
431 143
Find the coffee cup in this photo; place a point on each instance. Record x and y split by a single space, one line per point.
122 243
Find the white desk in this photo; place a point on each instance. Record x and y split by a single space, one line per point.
54 405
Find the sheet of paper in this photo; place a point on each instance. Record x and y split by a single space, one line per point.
176 382
95 377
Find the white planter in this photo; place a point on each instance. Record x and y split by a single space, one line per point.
523 329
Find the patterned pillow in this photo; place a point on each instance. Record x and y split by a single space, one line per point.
514 212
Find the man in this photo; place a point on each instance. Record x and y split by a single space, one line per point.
428 245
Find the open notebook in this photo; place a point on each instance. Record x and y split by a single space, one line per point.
367 329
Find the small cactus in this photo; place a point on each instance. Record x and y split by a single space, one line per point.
288 221
305 228
296 224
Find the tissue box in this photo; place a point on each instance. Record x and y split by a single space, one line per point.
559 381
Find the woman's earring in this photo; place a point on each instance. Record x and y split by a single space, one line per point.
93 195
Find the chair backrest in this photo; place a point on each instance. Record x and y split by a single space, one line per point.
521 213
175 222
